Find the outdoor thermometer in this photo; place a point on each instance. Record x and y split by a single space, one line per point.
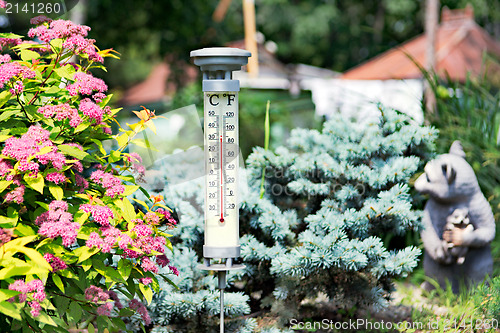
221 159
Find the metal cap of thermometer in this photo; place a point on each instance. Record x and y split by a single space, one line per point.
221 159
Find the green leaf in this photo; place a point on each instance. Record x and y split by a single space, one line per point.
128 210
4 97
114 156
46 319
44 150
43 205
67 72
56 43
56 191
25 230
74 313
61 304
99 145
10 35
87 264
6 294
53 90
20 270
73 151
143 144
84 252
58 282
124 268
11 219
142 203
105 101
36 257
122 140
82 127
81 217
129 189
91 328
108 272
7 114
4 184
35 183
151 125
27 55
10 310
125 312
146 292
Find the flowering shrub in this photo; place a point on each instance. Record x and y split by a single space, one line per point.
74 253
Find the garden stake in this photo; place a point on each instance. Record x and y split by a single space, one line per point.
221 160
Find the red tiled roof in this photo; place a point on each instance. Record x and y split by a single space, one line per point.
151 89
460 48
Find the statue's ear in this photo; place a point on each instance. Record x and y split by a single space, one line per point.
457 149
449 172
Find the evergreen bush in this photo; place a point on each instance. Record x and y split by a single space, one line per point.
330 198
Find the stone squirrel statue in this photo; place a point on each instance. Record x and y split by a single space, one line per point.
459 218
451 184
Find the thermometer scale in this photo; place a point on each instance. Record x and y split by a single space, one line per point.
221 160
221 163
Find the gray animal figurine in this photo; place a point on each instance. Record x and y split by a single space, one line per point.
459 218
451 184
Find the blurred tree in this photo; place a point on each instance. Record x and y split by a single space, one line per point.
145 32
336 34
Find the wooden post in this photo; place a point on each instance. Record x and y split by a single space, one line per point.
221 10
250 37
431 24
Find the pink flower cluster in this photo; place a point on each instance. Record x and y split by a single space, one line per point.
114 297
146 281
5 58
5 236
40 19
96 295
141 309
9 42
81 182
56 263
56 178
61 112
83 45
91 110
162 260
85 84
28 145
16 71
100 214
168 216
148 266
35 288
58 29
16 195
112 184
17 88
58 222
73 34
136 160
110 236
